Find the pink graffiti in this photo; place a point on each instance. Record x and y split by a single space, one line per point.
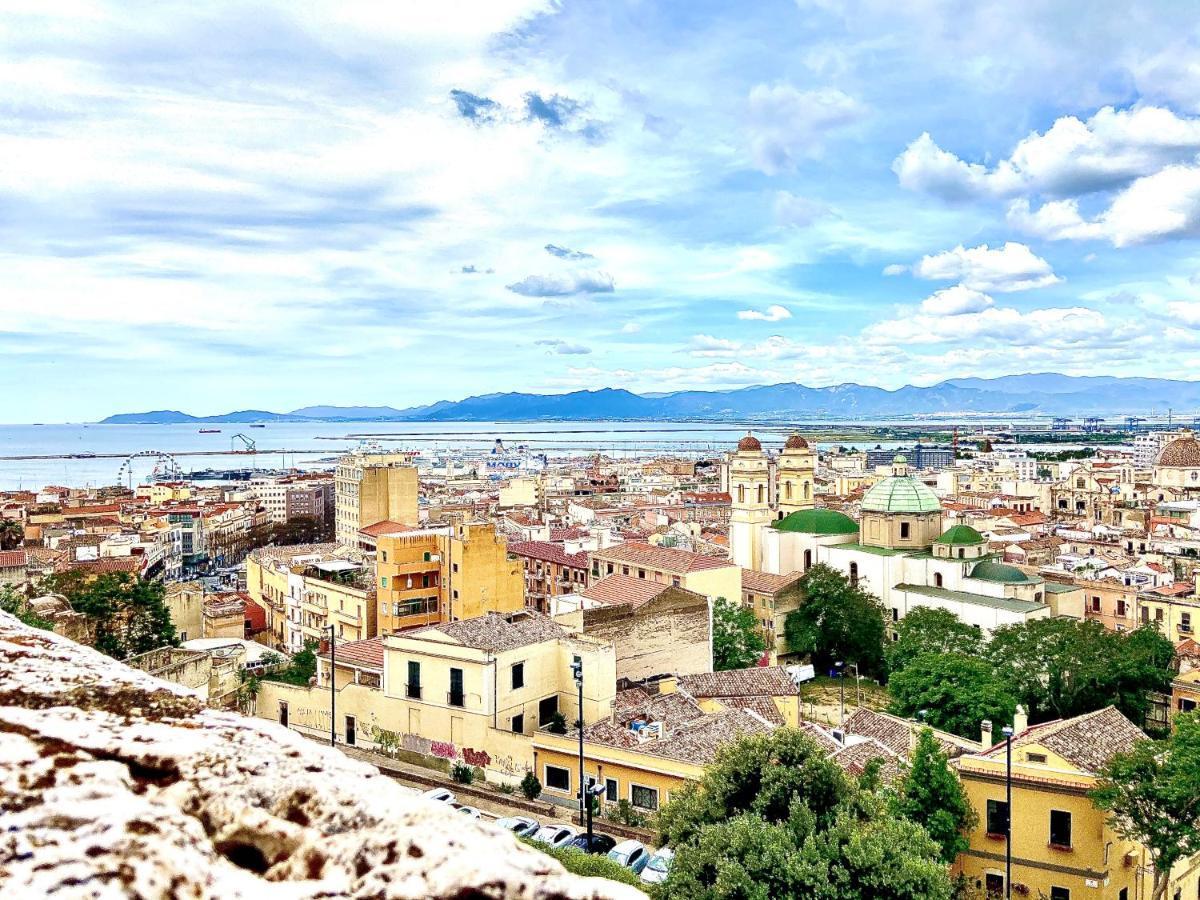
442 749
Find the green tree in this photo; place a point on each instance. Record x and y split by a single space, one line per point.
736 641
530 786
932 796
927 629
301 669
1059 668
128 614
837 621
12 534
956 692
1152 795
15 605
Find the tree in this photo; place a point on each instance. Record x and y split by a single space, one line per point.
557 723
736 641
773 816
128 614
956 691
301 669
15 605
1152 795
530 786
927 629
12 534
1060 668
836 622
932 796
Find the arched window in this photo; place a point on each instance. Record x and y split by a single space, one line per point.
937 579
741 493
787 489
807 560
854 574
760 493
806 488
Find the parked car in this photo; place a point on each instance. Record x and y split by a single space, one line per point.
442 794
469 811
659 866
521 826
631 854
599 843
555 835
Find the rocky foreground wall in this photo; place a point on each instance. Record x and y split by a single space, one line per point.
116 784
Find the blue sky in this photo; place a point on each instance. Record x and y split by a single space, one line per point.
216 206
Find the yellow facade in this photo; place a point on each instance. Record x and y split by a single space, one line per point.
444 575
269 587
163 493
1177 619
350 608
371 488
1185 692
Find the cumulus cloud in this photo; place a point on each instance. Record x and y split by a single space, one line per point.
774 313
474 107
1011 267
895 269
563 284
796 211
1052 327
563 348
787 124
955 301
566 252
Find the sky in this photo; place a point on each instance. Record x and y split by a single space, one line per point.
215 206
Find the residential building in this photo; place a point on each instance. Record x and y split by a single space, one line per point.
708 575
370 488
550 571
771 597
921 456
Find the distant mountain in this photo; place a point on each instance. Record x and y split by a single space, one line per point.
1042 394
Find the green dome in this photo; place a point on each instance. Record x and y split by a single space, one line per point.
961 534
900 494
990 570
817 521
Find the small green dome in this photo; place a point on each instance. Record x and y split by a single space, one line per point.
817 521
961 534
990 570
900 494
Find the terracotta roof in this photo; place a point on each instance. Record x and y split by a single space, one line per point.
1181 453
1088 741
795 442
666 558
616 590
763 706
895 733
766 582
1187 647
366 654
566 534
12 559
549 552
1178 589
855 757
386 527
497 632
765 681
104 565
821 735
706 497
749 442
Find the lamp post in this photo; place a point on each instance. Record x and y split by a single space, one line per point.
839 668
857 683
1008 736
584 803
332 680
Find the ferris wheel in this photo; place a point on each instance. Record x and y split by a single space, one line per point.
166 467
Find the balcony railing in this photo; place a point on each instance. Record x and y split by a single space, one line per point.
456 699
413 691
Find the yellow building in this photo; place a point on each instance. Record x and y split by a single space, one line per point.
224 616
474 690
164 492
771 597
1176 617
340 593
370 488
1185 692
705 575
1063 846
185 600
444 575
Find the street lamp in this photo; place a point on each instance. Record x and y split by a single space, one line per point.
1008 736
332 680
839 670
594 791
857 682
584 803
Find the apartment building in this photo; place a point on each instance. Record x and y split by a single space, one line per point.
707 575
550 571
370 488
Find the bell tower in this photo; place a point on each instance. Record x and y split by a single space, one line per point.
749 483
797 469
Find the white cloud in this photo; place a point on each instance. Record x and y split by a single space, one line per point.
563 283
631 328
773 313
1052 327
1011 267
1187 312
895 269
563 348
797 211
787 124
955 301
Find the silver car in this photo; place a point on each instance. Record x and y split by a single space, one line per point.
630 854
442 795
555 835
659 866
521 826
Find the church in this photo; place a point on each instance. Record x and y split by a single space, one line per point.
899 551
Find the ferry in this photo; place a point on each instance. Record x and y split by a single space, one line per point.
210 430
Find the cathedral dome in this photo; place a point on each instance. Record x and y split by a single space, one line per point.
1181 453
795 442
900 494
817 521
749 442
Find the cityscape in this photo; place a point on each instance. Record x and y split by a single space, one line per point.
585 450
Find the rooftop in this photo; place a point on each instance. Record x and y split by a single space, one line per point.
960 534
366 654
1008 604
496 632
817 521
616 590
549 552
1088 741
764 681
990 570
766 582
901 494
664 558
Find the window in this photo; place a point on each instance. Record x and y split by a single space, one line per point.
895 614
1060 893
283 713
903 530
1158 614
1185 621
518 675
997 817
413 688
1035 757
994 885
182 636
1095 604
547 707
385 556
807 560
456 697
518 724
558 778
1060 828
1121 608
425 557
454 567
610 790
383 581
643 797
1186 704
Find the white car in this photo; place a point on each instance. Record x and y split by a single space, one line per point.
521 826
441 794
630 854
469 811
555 835
659 867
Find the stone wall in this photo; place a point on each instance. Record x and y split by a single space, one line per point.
669 635
116 784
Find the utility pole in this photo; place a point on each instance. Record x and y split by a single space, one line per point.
839 669
332 690
584 802
1008 736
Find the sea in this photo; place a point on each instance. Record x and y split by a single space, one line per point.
93 455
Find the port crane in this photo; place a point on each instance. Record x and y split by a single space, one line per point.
248 445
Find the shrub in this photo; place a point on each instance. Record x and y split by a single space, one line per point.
505 788
624 812
558 724
462 773
530 786
589 865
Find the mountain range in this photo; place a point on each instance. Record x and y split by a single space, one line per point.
1035 394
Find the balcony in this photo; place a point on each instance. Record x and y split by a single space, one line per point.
412 691
454 698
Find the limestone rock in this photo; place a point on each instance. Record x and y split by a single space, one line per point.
116 784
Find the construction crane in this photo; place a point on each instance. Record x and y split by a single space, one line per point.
247 444
1060 424
1133 421
1092 423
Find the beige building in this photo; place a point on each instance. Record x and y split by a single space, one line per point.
708 575
771 597
370 488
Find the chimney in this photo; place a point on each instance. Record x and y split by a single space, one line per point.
985 728
1020 720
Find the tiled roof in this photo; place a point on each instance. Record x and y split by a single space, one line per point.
766 582
1088 741
616 590
822 736
130 564
386 527
666 558
765 681
854 758
498 632
763 706
549 552
12 559
366 654
895 733
1187 647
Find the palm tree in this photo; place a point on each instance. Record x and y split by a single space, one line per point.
11 534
